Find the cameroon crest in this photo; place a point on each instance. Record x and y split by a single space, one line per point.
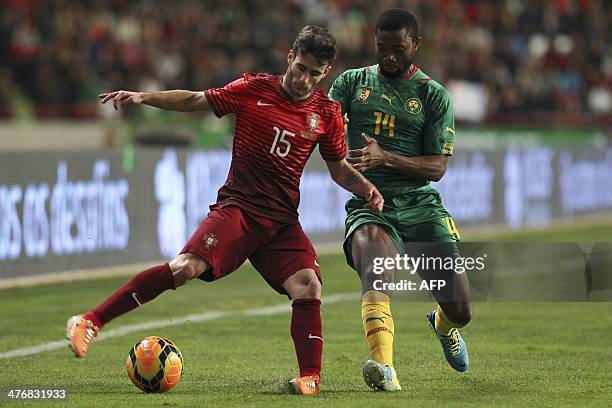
364 93
414 106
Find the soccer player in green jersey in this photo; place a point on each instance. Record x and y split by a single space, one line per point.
401 133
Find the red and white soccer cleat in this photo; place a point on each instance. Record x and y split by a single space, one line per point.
80 333
306 385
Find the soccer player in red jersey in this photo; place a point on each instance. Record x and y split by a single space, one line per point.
279 121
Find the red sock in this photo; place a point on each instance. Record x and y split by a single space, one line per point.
307 335
143 287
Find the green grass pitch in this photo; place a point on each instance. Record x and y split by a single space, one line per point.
522 354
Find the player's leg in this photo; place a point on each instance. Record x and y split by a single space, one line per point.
368 243
454 305
304 288
142 288
202 257
370 237
454 309
287 261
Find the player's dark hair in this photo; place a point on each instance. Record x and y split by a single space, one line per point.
395 19
317 42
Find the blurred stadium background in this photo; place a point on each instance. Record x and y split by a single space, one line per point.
86 192
511 62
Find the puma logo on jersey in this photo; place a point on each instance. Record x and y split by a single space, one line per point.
387 98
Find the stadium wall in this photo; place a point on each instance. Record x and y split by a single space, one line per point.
65 211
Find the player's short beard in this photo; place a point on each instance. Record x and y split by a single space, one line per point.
399 72
287 84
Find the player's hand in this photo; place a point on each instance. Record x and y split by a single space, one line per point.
374 201
370 156
121 98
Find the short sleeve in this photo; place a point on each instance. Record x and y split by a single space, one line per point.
340 92
227 99
440 126
331 145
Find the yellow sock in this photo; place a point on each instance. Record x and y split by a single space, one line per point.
378 325
443 325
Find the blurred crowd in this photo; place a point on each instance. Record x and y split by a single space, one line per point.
527 55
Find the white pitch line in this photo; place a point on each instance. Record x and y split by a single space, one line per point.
156 324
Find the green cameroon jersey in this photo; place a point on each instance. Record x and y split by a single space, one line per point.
409 116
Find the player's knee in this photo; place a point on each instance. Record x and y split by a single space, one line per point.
462 315
304 285
369 233
186 267
369 239
308 288
312 289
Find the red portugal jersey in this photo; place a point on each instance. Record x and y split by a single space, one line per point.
273 139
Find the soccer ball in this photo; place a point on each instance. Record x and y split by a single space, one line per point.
155 364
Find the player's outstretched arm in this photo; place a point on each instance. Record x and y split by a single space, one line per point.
427 167
177 100
350 179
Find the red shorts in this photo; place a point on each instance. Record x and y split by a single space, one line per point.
230 235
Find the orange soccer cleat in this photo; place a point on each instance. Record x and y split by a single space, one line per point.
80 332
306 385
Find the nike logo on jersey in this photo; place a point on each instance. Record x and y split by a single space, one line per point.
316 263
310 336
260 103
450 129
382 319
135 297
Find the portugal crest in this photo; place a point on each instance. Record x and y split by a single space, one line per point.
414 106
210 240
312 122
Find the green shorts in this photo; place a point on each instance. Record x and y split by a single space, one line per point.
441 229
